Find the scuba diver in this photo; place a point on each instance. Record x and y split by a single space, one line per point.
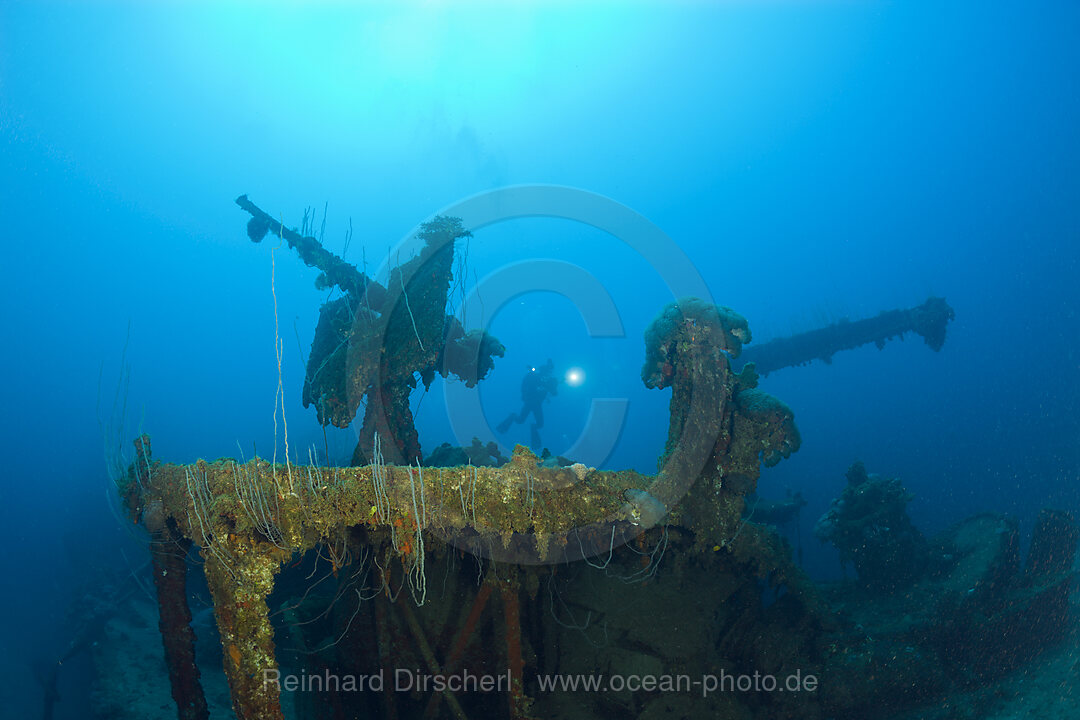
537 384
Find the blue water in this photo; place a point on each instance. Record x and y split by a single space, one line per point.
814 161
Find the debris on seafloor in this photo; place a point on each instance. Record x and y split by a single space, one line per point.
957 613
869 525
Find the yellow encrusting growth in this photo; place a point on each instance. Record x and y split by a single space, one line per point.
246 528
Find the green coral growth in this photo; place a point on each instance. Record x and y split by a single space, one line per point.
686 320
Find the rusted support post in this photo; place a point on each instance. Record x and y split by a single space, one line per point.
174 621
239 593
388 414
386 654
469 627
461 642
429 657
519 702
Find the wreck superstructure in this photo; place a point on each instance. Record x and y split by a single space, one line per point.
250 518
531 565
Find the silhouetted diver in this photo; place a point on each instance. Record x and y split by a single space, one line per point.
537 384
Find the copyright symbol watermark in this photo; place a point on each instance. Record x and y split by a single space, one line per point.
581 288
